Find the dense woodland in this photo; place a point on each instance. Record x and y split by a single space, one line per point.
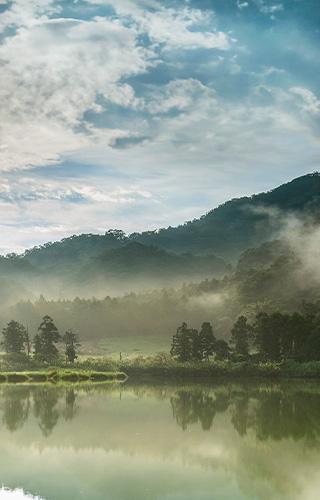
270 337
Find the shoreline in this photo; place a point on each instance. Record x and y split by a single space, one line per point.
104 371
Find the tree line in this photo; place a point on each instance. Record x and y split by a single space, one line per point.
44 345
269 337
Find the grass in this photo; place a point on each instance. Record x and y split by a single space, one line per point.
164 367
131 346
160 366
61 375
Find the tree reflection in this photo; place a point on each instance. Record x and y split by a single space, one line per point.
71 408
45 409
48 404
240 414
270 413
16 404
192 407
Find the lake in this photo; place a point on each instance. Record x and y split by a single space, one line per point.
160 441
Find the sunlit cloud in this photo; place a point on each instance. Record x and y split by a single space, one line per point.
105 99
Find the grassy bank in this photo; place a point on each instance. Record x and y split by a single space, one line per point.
61 375
159 366
166 368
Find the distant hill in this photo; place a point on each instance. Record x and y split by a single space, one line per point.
225 231
113 263
241 223
149 262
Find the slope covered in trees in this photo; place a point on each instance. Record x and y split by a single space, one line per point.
114 263
226 231
269 278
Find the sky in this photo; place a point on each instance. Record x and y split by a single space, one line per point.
140 114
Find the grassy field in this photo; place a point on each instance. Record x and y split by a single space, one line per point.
129 346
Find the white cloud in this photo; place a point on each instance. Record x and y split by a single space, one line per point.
308 101
265 7
172 28
242 5
175 28
55 70
179 95
52 74
27 12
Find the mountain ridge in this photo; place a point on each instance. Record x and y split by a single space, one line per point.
225 231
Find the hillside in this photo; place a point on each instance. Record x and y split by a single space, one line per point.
269 278
225 231
241 223
114 263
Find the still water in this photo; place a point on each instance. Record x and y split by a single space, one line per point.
164 442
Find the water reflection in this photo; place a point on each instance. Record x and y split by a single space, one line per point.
273 412
191 407
240 441
48 404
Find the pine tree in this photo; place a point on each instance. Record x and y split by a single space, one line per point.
46 339
15 337
181 347
221 349
71 343
196 351
267 336
207 340
240 334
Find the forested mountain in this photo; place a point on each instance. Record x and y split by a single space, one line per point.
114 263
242 223
225 231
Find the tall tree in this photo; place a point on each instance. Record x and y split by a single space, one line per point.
181 347
195 340
207 340
221 349
71 344
46 339
267 336
240 335
14 337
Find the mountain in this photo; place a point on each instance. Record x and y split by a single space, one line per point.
225 231
113 263
241 223
148 262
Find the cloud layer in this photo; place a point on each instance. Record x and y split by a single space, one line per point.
104 99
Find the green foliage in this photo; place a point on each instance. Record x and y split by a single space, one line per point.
71 345
45 341
222 350
207 341
240 334
15 338
184 343
190 345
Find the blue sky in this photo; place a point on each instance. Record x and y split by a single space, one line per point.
143 114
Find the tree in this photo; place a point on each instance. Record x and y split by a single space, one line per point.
71 343
207 340
15 337
222 349
45 341
185 344
267 335
240 334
